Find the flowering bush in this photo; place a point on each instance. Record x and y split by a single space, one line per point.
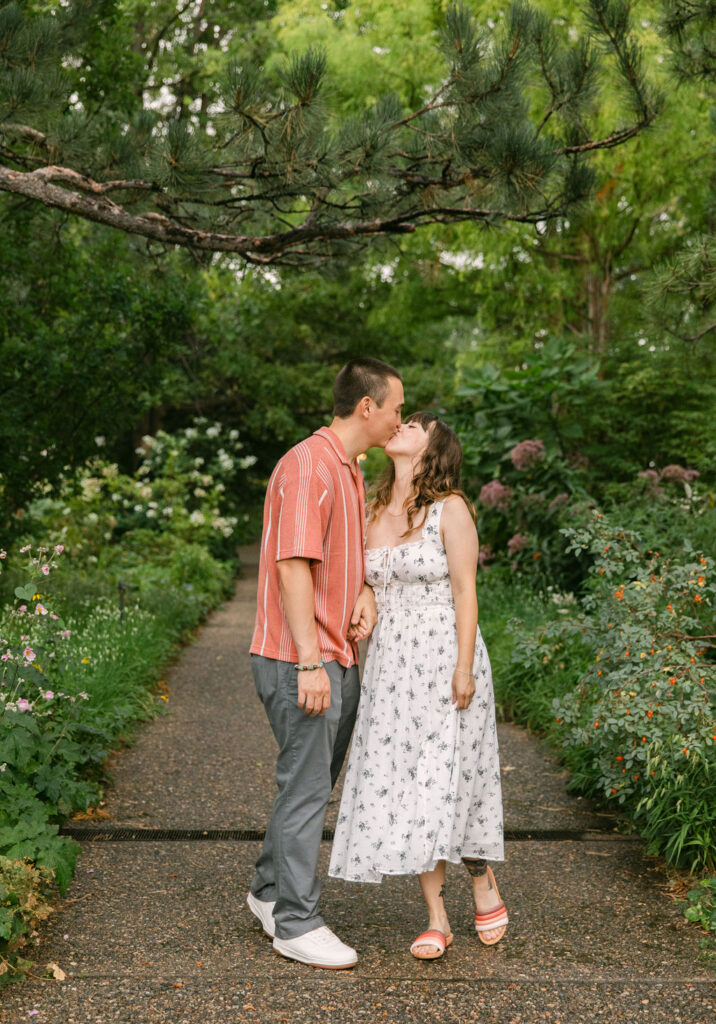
636 717
521 520
70 685
185 486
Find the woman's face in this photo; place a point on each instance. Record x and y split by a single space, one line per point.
411 439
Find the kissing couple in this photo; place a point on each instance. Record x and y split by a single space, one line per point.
422 784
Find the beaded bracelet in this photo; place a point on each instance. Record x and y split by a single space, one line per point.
309 668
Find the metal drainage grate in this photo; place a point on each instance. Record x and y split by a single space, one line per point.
256 835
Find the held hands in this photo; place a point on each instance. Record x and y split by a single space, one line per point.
463 689
314 691
365 615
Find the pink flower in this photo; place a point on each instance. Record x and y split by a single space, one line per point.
45 570
4 657
40 609
679 474
29 654
527 454
23 705
83 695
48 695
496 495
26 548
66 634
517 543
486 555
54 617
3 554
561 499
59 548
22 609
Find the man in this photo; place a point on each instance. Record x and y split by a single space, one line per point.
313 605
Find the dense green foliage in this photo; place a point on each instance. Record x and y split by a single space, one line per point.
88 620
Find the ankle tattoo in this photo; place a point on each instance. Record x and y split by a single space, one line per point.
476 867
442 891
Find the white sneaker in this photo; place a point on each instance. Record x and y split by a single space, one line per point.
264 912
319 948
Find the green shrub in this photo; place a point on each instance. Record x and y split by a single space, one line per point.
631 682
24 893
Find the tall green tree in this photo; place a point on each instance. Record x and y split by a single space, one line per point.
222 156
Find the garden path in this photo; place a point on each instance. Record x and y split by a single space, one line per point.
154 928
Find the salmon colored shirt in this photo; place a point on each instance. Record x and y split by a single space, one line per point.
314 509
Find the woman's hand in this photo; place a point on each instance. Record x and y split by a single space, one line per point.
463 688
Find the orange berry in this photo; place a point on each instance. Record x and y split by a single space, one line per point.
669 607
613 789
620 757
600 672
643 739
698 599
686 750
626 654
635 778
649 714
596 725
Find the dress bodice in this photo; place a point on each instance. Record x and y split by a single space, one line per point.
415 572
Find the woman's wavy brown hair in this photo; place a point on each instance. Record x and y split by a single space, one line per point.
437 476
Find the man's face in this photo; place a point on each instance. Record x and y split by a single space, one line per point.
385 419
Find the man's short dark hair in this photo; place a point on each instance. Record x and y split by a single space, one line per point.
358 378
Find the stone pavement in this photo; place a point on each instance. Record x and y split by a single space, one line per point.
155 930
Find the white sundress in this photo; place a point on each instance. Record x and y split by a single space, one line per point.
423 779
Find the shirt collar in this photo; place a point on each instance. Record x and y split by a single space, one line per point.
336 444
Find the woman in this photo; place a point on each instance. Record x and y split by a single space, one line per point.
423 780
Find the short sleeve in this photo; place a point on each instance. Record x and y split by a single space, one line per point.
304 508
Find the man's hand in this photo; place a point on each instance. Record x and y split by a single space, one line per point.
314 691
365 615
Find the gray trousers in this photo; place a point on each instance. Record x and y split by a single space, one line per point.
310 756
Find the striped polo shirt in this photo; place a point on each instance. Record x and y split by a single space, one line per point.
314 509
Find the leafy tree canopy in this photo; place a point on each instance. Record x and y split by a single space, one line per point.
153 118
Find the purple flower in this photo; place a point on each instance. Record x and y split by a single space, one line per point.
561 499
527 454
496 495
59 548
45 570
23 705
517 543
29 654
22 609
48 695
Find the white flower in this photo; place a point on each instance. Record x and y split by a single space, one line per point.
167 511
233 435
213 431
197 518
191 433
100 441
199 492
151 513
246 461
198 461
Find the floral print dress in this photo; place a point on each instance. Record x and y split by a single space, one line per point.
423 779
